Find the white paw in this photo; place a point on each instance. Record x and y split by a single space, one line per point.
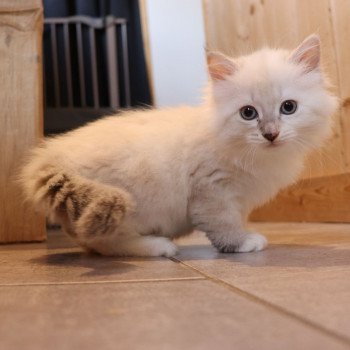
162 246
252 242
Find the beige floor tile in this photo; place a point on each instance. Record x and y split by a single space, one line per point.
305 270
154 315
60 261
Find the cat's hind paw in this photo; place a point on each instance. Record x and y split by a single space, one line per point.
136 246
163 247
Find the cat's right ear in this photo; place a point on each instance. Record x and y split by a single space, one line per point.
219 66
307 53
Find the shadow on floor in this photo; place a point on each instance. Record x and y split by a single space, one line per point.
284 255
99 265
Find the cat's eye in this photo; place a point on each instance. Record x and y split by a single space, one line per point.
248 113
288 107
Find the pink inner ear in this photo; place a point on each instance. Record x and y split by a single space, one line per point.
310 58
308 53
219 72
219 66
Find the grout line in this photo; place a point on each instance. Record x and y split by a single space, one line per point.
103 282
341 338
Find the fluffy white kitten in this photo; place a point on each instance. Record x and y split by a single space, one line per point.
127 185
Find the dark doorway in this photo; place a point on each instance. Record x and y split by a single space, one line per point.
75 93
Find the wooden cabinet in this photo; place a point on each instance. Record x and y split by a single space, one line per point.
21 112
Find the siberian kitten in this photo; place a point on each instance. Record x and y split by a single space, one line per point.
127 185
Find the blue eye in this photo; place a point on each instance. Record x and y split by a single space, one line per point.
248 113
288 107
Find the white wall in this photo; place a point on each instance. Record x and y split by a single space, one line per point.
177 41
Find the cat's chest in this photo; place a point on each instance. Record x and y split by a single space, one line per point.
251 186
263 184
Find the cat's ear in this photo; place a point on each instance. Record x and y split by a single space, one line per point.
219 66
307 53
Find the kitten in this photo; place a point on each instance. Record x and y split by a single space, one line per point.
128 185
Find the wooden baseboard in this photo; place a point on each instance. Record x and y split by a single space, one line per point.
323 199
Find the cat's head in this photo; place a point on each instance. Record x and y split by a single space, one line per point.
272 99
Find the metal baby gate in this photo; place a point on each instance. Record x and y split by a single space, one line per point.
86 70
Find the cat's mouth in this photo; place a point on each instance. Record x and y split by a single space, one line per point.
274 144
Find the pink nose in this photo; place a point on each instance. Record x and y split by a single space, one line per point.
271 136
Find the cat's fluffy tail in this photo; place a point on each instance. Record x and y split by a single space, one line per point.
85 208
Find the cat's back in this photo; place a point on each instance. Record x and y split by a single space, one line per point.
133 127
131 138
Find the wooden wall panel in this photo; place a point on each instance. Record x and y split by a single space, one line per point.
240 26
340 14
21 112
323 199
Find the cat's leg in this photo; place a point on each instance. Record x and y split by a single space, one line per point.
135 245
220 217
97 216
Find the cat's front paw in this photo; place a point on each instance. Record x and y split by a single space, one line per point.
250 242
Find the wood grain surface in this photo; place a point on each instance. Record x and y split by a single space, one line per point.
21 112
322 199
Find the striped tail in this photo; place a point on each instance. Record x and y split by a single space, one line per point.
85 208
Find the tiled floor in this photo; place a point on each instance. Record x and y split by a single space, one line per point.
294 295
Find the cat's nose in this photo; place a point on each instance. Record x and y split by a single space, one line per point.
271 136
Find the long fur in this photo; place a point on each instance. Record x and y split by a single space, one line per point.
126 185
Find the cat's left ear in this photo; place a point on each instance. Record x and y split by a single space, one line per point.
220 66
308 53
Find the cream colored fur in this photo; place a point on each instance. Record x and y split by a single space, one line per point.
127 185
